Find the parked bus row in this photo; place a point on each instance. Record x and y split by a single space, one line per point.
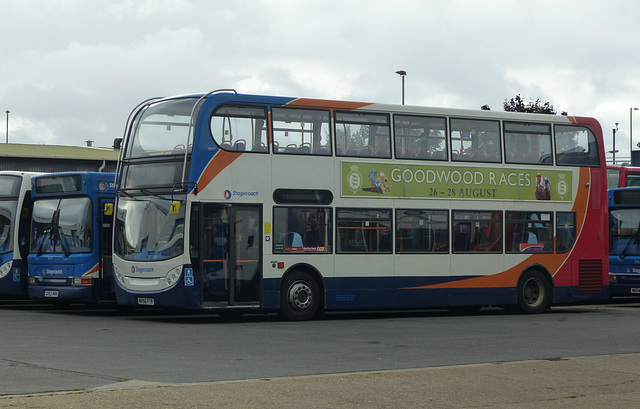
55 236
235 202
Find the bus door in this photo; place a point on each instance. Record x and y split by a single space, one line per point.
106 248
230 254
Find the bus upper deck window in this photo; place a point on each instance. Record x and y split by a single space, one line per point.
240 128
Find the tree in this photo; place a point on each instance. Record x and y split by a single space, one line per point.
518 104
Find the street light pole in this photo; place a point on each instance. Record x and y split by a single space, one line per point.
631 132
403 73
614 143
7 134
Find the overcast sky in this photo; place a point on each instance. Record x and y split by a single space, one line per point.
72 70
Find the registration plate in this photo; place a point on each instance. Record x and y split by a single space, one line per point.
51 293
146 301
635 291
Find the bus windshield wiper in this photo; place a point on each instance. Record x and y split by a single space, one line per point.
63 244
55 232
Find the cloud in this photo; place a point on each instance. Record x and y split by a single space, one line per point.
74 69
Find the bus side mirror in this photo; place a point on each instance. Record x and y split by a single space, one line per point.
108 209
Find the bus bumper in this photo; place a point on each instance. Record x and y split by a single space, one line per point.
178 296
40 288
624 284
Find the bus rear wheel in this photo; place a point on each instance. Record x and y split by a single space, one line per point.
299 296
534 292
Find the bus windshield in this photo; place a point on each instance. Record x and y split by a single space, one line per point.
62 226
149 228
7 218
624 236
162 129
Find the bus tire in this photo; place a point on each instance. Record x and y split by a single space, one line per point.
534 292
299 296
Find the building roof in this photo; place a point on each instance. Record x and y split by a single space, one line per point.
14 150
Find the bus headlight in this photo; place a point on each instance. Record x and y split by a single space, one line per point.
119 275
5 268
173 276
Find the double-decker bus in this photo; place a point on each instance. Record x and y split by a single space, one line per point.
623 176
70 252
15 219
300 206
624 241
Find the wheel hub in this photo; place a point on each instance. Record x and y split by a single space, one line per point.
300 295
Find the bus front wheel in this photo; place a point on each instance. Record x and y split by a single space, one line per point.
534 292
299 296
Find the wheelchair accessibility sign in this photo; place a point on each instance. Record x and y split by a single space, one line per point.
16 275
188 277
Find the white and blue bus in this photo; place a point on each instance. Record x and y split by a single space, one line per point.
15 219
229 201
624 239
70 253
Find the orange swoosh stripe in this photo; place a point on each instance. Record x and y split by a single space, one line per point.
509 278
218 163
93 270
322 103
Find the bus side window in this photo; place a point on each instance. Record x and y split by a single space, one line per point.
301 131
565 231
529 232
475 140
422 231
240 128
363 134
576 146
363 230
302 229
477 232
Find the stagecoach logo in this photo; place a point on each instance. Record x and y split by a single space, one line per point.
354 179
102 186
135 269
561 186
46 271
227 194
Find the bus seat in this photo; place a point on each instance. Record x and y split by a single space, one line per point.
239 146
438 155
479 156
322 151
304 149
366 151
425 153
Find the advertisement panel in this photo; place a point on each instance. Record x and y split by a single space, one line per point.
449 182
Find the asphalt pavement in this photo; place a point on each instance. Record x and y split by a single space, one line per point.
606 381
